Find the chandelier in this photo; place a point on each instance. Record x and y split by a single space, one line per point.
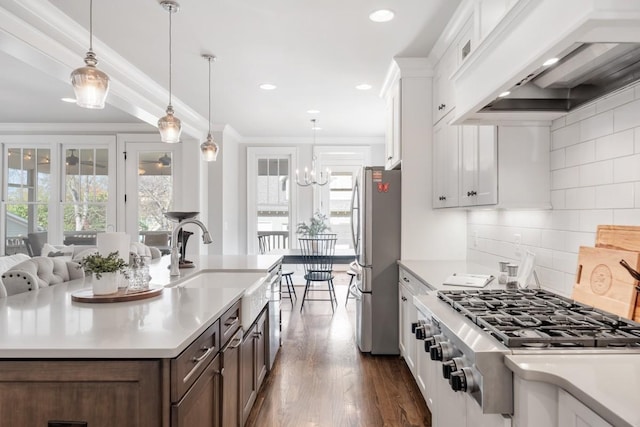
310 176
209 148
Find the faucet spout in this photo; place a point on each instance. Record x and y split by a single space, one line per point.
206 238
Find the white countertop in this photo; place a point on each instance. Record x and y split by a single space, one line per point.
434 272
47 324
609 384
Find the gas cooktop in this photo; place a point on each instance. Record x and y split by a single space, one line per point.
533 318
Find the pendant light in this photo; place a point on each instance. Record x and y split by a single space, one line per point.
310 176
90 84
209 148
169 125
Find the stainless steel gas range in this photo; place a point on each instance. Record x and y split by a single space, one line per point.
467 333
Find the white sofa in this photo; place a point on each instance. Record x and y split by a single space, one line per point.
38 272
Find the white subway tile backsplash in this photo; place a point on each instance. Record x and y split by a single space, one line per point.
580 198
552 239
615 145
565 220
625 217
597 173
615 196
596 126
582 153
626 116
626 169
558 199
556 159
565 136
573 241
565 178
590 219
615 100
581 113
595 180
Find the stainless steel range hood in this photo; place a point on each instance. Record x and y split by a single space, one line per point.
585 72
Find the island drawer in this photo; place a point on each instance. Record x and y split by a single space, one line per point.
229 323
187 367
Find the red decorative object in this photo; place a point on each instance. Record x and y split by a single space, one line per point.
383 187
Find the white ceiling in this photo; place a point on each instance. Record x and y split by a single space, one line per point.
315 52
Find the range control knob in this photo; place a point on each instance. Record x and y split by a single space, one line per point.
463 380
420 334
448 367
431 341
429 331
436 351
451 366
415 325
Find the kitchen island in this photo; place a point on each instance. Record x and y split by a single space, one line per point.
137 363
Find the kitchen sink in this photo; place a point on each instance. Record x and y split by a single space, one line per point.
255 284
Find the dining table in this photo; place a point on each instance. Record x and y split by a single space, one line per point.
294 256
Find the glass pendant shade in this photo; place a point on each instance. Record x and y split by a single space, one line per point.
209 149
169 127
90 85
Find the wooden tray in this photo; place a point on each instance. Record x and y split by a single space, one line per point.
603 283
86 295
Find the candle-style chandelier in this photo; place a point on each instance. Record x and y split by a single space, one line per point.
310 176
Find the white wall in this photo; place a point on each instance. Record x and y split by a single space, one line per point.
595 179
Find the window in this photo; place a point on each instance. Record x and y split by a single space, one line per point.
269 196
56 189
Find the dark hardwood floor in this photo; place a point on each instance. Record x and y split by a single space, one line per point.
321 379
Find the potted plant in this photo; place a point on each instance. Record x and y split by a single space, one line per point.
317 225
104 269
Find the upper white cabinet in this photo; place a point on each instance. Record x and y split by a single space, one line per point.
393 135
406 91
456 52
478 171
501 167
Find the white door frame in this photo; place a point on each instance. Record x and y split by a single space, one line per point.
253 154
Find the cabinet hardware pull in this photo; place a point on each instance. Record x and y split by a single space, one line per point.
207 352
257 334
222 372
404 298
236 345
390 157
231 321
405 279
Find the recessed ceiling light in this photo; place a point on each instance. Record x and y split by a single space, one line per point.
363 86
267 86
382 15
550 61
313 111
70 100
503 94
316 128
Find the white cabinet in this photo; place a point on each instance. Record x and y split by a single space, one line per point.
443 93
446 165
408 315
502 167
393 153
573 413
478 166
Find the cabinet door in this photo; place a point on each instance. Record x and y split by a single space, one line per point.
409 316
573 413
393 135
478 166
402 304
230 381
248 374
200 406
262 348
443 93
445 165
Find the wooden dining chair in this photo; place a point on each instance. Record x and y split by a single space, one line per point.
317 256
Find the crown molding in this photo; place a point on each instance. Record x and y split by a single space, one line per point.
71 128
337 141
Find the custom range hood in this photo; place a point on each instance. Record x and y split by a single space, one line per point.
586 71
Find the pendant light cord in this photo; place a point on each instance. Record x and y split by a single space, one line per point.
209 59
170 66
90 25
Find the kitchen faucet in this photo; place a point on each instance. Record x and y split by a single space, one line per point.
206 238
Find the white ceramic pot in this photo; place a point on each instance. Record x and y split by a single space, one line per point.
107 284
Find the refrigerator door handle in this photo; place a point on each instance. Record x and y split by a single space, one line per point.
355 215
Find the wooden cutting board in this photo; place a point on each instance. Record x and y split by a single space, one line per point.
625 237
603 283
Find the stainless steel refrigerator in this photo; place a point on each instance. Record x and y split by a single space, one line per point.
375 226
